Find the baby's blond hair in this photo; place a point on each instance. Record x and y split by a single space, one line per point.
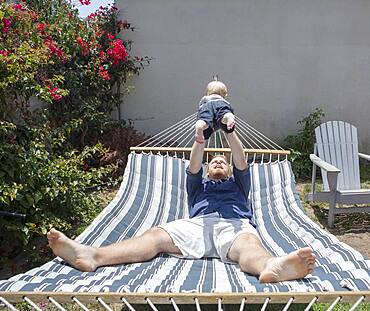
216 87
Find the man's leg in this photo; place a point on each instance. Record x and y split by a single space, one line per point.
88 258
252 257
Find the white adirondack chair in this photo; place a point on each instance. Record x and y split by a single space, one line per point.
336 153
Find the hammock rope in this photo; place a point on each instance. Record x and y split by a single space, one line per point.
178 139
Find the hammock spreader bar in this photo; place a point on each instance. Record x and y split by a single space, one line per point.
186 298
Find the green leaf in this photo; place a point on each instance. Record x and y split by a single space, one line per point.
30 199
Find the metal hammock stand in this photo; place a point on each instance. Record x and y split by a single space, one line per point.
176 141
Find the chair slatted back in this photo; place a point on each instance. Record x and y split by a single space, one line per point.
337 144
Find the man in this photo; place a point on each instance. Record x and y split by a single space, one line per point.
219 226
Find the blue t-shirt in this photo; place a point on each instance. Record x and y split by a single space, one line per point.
229 197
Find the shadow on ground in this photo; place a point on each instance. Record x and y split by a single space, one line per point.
344 223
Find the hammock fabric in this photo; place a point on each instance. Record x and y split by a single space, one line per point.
152 193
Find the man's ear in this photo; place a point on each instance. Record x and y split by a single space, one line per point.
207 170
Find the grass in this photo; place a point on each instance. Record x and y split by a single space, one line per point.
341 307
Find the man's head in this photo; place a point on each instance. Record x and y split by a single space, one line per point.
218 168
216 87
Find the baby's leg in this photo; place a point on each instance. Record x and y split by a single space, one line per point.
200 126
229 120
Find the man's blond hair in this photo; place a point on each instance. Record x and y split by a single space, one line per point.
216 87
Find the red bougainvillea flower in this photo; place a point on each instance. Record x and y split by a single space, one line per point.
53 48
117 51
55 94
104 73
4 53
41 27
6 22
102 56
110 36
84 46
18 6
85 2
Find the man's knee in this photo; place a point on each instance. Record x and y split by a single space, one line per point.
161 240
249 253
243 244
245 241
250 238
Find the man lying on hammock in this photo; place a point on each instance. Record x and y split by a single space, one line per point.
219 226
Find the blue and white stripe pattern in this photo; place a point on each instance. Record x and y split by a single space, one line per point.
153 192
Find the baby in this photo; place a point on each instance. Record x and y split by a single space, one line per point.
214 112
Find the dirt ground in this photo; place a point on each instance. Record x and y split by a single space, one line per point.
352 229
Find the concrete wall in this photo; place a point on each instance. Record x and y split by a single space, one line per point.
279 58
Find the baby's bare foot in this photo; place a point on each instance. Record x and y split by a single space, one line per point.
229 120
295 265
79 256
230 123
200 126
199 137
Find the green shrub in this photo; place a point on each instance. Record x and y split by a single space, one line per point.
301 144
45 183
52 159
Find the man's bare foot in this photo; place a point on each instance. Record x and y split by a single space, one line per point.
295 265
229 120
77 255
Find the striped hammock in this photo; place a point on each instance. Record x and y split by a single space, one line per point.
153 192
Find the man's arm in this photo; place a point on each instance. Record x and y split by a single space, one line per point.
237 151
196 157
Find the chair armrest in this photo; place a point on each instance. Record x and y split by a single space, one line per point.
331 171
364 156
324 165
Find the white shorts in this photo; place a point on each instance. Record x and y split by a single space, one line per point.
206 235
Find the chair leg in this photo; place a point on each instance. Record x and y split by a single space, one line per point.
313 182
332 181
331 213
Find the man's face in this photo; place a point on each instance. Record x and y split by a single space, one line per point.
218 168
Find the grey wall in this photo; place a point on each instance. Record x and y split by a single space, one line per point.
279 58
